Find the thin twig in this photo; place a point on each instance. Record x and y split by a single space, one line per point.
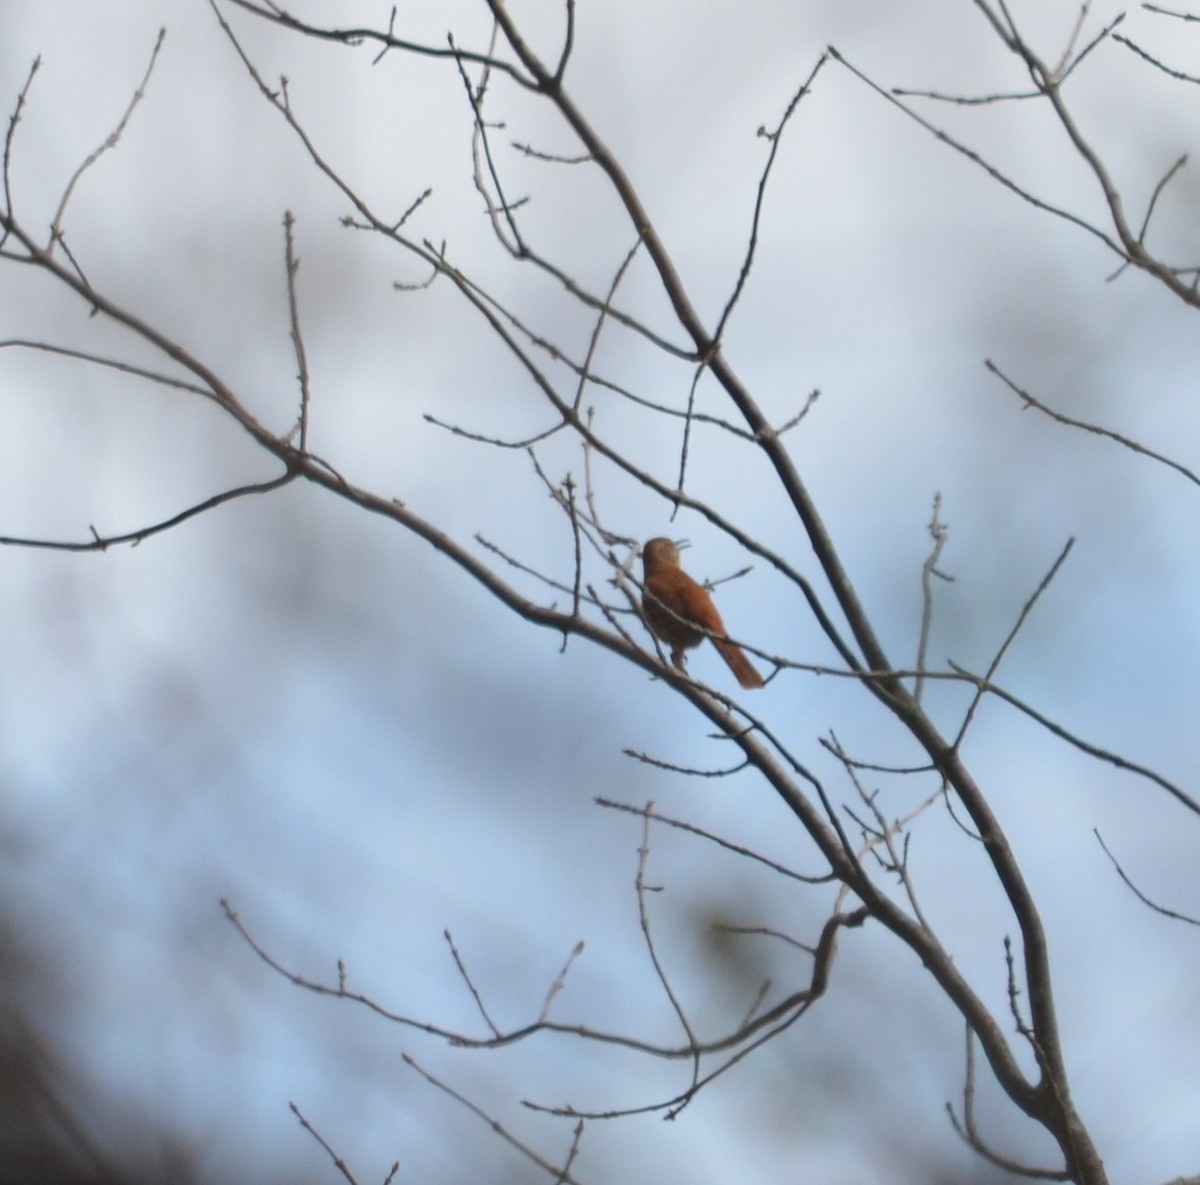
100 542
884 832
1182 16
685 442
13 121
338 1162
1094 429
525 442
1114 759
938 532
116 364
1163 181
774 138
1162 909
568 44
560 982
720 841
1157 63
730 1040
787 1014
969 1133
998 657
576 550
292 265
687 770
558 1173
585 370
641 889
470 986
977 159
110 142
576 1143
764 932
355 36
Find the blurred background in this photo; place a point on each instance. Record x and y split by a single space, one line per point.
294 706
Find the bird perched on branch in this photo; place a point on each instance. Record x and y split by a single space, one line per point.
680 612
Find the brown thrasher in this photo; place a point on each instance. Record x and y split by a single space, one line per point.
681 613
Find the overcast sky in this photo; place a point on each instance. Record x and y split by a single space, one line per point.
295 706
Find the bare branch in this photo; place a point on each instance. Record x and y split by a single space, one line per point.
116 364
764 932
883 833
641 889
338 1162
585 370
13 121
1130 245
1163 182
1094 429
500 210
689 771
1157 63
977 159
356 36
99 542
774 138
786 1014
970 1133
939 533
560 1173
1182 16
1079 743
1162 909
873 867
1011 637
568 43
551 157
560 982
110 142
525 443
749 1032
292 265
720 841
767 437
470 986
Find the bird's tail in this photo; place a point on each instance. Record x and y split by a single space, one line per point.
738 663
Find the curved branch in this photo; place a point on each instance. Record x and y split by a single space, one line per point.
969 1133
358 35
1084 426
1173 914
100 542
1131 247
823 955
1101 754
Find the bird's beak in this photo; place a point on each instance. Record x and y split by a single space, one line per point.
683 543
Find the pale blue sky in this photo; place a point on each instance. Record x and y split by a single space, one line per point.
293 705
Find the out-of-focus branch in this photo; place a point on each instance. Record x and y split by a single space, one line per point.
785 1012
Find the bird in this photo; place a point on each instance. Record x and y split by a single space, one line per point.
681 613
